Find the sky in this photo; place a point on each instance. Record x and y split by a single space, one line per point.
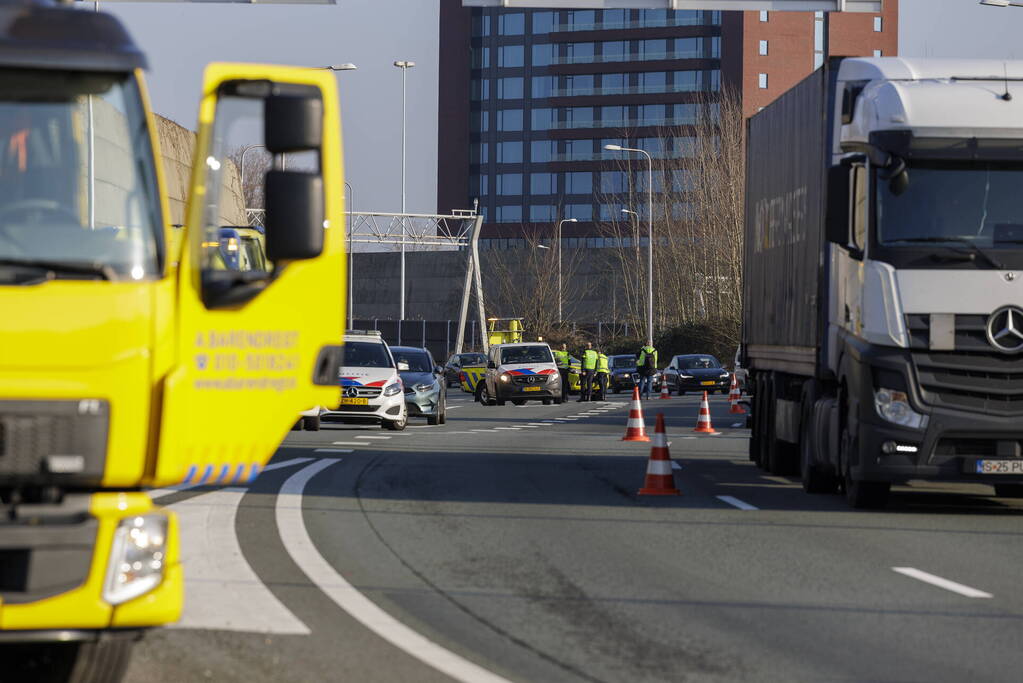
180 38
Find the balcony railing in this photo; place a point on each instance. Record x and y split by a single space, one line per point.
630 90
625 123
680 20
635 57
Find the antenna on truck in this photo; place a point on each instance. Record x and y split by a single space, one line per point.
1005 70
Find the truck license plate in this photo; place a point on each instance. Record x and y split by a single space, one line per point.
999 466
355 401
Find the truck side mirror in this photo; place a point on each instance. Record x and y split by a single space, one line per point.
837 218
294 123
294 215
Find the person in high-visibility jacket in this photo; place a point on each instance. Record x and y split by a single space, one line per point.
589 368
603 374
646 366
562 360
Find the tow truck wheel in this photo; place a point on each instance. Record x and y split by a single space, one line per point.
101 662
311 423
1009 490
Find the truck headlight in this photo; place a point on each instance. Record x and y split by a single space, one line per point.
137 557
894 406
505 377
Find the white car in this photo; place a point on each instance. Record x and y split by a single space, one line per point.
520 373
371 390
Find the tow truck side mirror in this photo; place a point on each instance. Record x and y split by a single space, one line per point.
294 215
293 123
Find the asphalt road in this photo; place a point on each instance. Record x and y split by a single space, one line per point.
507 546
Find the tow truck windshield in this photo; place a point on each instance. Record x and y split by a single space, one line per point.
77 188
974 206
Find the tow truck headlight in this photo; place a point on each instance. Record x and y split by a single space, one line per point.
894 406
392 389
505 377
137 558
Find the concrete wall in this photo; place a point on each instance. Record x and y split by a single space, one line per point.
434 285
177 145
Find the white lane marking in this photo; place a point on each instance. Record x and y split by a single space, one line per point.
675 465
295 536
453 407
333 450
941 583
347 443
222 592
373 437
735 502
540 424
527 427
506 428
285 463
481 430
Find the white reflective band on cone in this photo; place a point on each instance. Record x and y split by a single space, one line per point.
661 467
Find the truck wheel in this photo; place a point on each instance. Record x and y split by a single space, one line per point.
101 662
781 456
813 478
311 423
861 494
1009 490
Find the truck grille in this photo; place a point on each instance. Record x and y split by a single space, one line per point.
970 334
987 382
41 441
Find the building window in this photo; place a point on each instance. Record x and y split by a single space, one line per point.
582 20
480 121
511 24
688 48
543 86
612 84
614 50
818 39
652 81
544 213
481 58
579 183
479 153
578 53
509 183
763 48
877 24
578 150
544 54
877 53
543 22
509 120
481 25
543 183
613 115
543 119
509 88
478 186
480 89
511 56
580 212
650 114
578 117
541 151
763 15
509 152
577 85
509 214
762 81
612 182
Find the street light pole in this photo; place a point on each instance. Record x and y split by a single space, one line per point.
560 249
404 66
351 261
650 237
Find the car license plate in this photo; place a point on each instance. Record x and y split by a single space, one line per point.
709 383
531 389
355 401
999 466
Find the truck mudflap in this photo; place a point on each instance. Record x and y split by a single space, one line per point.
51 588
941 444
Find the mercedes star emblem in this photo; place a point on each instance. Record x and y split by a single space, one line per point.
1005 329
351 392
531 379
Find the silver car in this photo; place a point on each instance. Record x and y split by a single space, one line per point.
424 385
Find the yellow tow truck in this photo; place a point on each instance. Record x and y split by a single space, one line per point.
131 359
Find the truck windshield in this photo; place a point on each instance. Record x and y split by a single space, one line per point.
955 203
526 354
77 178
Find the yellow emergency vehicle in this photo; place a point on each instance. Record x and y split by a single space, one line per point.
128 362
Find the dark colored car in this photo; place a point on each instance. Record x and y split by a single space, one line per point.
453 368
622 368
697 372
425 389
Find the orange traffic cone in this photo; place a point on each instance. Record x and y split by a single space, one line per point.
664 390
703 425
733 397
635 430
660 480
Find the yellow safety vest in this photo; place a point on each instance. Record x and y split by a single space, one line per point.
589 359
561 358
602 364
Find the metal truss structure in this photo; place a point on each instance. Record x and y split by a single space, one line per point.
773 5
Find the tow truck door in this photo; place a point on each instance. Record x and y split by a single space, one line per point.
256 344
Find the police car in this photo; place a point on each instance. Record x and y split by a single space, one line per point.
371 390
519 373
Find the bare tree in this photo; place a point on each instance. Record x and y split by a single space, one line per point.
257 164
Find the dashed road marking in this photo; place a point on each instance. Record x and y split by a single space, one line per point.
735 502
347 443
675 465
381 438
295 537
941 583
333 450
511 428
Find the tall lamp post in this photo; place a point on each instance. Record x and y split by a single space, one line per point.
404 66
650 238
560 250
635 232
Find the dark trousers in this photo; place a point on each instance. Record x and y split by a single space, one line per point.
564 382
602 378
586 386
